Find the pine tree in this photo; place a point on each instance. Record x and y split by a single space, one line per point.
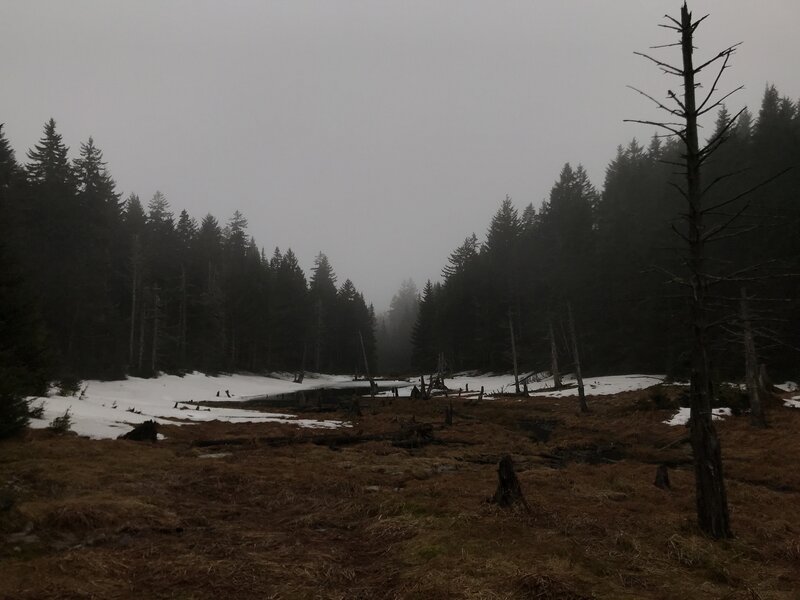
322 297
24 368
56 226
424 338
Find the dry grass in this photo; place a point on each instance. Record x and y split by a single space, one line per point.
116 519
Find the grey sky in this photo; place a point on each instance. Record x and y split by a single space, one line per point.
380 132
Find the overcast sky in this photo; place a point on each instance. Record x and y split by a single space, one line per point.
380 132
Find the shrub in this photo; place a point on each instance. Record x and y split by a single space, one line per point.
731 396
69 385
62 424
661 399
36 412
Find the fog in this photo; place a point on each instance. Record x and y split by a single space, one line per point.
381 133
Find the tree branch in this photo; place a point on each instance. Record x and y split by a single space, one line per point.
664 66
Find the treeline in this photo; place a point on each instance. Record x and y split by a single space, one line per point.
112 287
616 256
395 327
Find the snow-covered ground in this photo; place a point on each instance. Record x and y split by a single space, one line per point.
790 386
682 416
107 409
504 383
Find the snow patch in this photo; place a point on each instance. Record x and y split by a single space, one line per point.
683 414
793 402
108 409
471 383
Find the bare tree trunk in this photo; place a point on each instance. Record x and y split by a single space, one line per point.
154 357
577 359
318 340
233 349
554 359
182 334
134 284
757 416
712 502
366 366
513 353
364 355
302 373
141 337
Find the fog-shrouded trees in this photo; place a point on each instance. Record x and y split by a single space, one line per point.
139 288
24 360
395 329
610 254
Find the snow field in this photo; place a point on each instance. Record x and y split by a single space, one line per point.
108 409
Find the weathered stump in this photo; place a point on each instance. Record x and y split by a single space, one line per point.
662 478
509 491
355 407
448 414
143 432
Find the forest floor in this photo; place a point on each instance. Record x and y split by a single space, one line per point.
274 515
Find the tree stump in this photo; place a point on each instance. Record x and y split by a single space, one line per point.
662 478
509 491
143 432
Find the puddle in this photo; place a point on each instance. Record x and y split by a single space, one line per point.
322 399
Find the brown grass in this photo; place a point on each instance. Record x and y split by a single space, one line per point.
117 519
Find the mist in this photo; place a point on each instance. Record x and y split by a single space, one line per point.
380 133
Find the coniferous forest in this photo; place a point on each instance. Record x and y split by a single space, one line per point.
94 286
613 254
594 395
103 286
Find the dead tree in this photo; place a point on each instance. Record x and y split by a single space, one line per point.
448 413
182 319
513 353
318 336
711 498
757 416
577 358
156 315
554 359
142 316
135 264
366 366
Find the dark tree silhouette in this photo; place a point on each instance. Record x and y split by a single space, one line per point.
712 503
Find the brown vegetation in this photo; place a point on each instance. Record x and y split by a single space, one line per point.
373 518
